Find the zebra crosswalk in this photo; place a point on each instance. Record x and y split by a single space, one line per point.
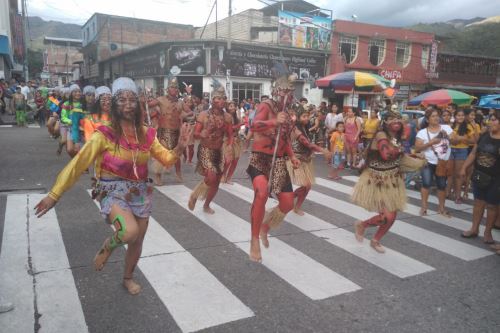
35 272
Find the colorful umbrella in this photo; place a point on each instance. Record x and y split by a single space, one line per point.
442 98
490 102
353 80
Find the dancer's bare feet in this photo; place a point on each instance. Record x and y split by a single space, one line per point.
298 211
359 231
229 182
192 202
132 287
264 239
102 256
179 177
208 210
157 179
255 254
376 246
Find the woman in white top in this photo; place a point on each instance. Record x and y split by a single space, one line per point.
434 142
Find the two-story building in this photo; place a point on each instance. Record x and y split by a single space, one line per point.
11 40
394 53
61 57
106 36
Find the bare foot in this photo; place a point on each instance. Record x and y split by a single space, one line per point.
132 287
229 182
179 177
223 179
359 231
208 210
102 256
376 246
157 179
264 239
192 202
255 250
298 211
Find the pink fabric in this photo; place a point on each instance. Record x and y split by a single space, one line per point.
123 168
350 132
150 136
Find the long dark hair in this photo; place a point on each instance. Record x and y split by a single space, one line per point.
116 117
399 134
462 127
236 119
71 101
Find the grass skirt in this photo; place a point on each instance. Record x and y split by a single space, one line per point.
303 175
232 152
379 190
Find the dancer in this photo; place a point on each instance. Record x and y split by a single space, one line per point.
122 150
99 113
232 152
79 114
303 149
169 121
381 187
19 105
211 128
190 118
272 127
72 104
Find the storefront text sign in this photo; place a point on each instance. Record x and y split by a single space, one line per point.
391 74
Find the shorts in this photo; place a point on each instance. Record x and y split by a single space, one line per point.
428 174
338 160
64 131
135 197
459 154
490 194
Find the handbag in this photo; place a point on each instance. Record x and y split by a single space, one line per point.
442 167
481 179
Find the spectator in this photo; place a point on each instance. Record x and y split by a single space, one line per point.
485 157
370 127
462 136
434 142
337 147
352 133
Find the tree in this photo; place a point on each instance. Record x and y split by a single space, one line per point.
35 62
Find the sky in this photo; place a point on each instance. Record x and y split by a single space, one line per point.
195 12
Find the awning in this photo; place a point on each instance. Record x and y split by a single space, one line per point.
5 49
467 88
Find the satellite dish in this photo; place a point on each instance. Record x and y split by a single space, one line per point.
175 70
393 83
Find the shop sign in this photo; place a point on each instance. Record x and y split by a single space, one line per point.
189 59
391 74
264 64
145 64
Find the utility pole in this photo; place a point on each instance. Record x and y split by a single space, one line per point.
229 26
216 32
25 39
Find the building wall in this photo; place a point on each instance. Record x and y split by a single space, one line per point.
467 70
60 60
241 25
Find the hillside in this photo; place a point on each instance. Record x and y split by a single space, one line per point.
40 28
477 36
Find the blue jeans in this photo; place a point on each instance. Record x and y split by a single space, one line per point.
428 174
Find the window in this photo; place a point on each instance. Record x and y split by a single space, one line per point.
243 90
425 56
403 54
376 51
348 48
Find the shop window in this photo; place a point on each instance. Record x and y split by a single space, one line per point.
348 48
376 51
244 90
403 54
426 49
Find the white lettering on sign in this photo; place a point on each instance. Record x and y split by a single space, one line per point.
433 62
391 74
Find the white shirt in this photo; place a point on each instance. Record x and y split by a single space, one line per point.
25 91
442 149
331 120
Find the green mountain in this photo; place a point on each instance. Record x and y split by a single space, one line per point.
476 36
39 28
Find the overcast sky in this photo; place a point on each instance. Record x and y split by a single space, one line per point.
385 12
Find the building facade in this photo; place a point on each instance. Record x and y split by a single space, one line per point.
106 36
61 58
11 40
394 53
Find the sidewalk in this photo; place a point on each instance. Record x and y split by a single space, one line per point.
7 119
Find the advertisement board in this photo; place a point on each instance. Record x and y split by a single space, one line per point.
304 30
188 59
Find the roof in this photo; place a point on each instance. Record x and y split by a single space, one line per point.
467 55
59 39
135 19
299 6
380 31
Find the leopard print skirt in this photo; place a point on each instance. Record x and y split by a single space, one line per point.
260 164
169 138
209 160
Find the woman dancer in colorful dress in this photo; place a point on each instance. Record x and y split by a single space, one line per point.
122 151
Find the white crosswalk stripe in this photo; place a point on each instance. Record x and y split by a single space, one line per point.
302 272
438 242
454 222
392 261
193 296
34 269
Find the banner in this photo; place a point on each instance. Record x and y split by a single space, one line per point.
304 31
188 59
262 64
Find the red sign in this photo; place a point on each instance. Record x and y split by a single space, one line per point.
391 74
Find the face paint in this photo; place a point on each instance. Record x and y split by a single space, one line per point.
395 126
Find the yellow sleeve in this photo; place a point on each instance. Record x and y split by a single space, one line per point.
81 162
162 154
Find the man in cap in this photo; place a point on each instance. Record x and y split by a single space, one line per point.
169 119
272 127
211 127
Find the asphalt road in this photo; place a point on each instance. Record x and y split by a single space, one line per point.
195 272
